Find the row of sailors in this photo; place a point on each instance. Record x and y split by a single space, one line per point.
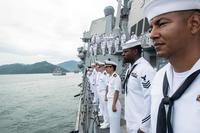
105 83
110 43
171 97
105 44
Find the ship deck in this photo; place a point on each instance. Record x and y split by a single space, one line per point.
122 124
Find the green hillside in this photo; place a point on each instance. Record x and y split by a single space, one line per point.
40 67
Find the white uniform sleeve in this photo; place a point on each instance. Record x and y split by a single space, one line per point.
146 81
118 83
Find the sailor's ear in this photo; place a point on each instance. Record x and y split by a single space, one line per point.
194 23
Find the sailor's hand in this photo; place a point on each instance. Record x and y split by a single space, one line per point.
114 109
106 99
140 131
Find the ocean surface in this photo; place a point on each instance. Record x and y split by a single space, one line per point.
38 103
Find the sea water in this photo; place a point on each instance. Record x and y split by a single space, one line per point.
38 103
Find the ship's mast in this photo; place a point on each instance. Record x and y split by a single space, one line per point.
118 16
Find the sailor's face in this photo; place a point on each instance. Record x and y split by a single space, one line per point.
128 55
108 69
97 68
102 68
169 33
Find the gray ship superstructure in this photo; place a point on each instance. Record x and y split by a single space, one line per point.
103 41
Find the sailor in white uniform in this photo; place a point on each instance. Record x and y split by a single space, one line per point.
91 49
175 93
101 88
95 49
117 44
137 86
110 45
98 39
93 82
112 95
90 78
103 46
123 38
134 36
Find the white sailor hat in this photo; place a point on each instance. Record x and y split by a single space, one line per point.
96 62
99 63
110 63
157 7
131 43
93 64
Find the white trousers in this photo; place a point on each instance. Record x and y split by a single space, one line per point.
103 106
94 90
114 117
109 50
95 50
103 50
131 128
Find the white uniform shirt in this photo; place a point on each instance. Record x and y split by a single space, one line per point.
114 83
90 78
102 81
117 44
103 44
186 110
137 99
94 75
123 38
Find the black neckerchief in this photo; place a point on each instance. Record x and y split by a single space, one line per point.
127 77
163 121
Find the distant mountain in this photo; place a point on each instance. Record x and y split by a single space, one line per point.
71 65
40 67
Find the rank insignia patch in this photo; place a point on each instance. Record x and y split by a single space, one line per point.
146 84
198 98
134 75
144 78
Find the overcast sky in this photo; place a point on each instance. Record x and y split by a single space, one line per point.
50 30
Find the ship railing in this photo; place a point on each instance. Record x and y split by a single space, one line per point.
90 119
84 118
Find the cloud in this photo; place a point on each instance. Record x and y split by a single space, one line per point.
35 30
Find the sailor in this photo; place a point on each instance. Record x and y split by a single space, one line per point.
112 96
88 72
116 44
89 77
133 35
101 88
110 45
103 46
137 86
95 49
91 49
93 39
98 85
98 39
175 32
93 82
123 38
